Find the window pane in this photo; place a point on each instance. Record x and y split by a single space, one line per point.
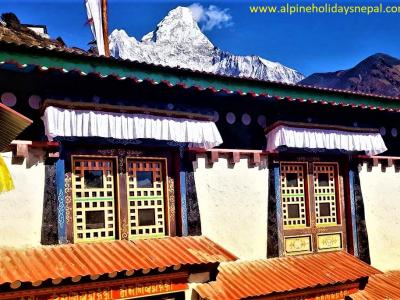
93 179
291 180
323 179
293 211
324 209
95 219
147 217
144 179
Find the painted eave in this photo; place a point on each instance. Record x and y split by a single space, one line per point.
68 61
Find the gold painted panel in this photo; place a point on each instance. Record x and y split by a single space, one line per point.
298 245
330 241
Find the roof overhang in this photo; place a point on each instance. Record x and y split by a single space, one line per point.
12 124
124 258
322 274
28 59
380 286
324 137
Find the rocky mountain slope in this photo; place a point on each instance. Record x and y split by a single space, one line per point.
377 74
178 41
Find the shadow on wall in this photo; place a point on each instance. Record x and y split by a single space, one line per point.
49 234
362 234
34 157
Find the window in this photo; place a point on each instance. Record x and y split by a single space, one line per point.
93 199
93 179
311 207
144 179
146 198
97 203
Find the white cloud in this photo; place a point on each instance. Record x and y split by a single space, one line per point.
211 17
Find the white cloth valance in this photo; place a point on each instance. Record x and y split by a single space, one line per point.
60 122
314 138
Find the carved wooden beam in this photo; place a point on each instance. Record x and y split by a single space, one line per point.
233 155
384 161
21 148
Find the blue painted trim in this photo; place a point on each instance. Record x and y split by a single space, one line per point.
277 186
184 211
353 213
61 209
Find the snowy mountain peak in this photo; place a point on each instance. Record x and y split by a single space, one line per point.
178 41
179 27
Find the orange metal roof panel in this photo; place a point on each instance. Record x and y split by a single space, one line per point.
12 124
64 261
242 279
381 286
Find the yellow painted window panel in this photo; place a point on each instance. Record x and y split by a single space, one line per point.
93 199
146 205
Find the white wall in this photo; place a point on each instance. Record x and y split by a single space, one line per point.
381 193
233 203
21 209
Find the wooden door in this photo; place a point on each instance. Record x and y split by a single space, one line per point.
312 207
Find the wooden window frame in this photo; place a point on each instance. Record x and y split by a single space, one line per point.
116 209
119 153
164 172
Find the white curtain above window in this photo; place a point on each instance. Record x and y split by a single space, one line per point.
317 138
60 122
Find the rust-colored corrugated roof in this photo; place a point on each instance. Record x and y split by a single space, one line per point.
243 279
12 123
380 286
65 261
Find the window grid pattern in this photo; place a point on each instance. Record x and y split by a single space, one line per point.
325 194
293 193
90 199
145 198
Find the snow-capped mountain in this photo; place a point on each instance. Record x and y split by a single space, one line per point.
178 41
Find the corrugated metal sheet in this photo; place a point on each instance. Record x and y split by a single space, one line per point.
381 286
12 124
242 279
64 261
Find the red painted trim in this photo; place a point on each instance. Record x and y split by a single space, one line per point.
213 90
80 287
75 53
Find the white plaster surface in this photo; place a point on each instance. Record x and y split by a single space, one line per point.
381 194
21 209
233 203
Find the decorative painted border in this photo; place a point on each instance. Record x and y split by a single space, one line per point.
61 205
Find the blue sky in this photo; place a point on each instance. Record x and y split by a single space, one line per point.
308 43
